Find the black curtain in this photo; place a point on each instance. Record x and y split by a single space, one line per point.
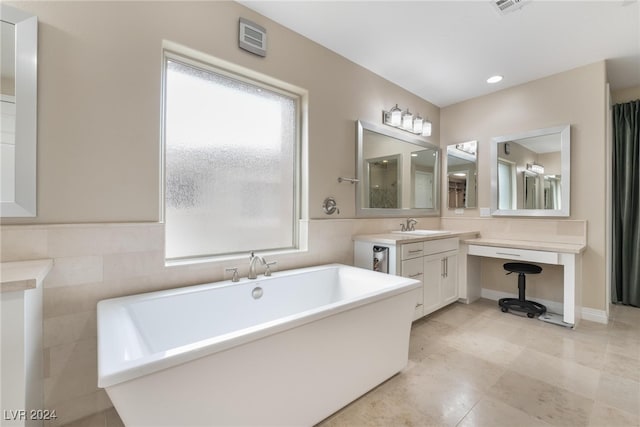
626 199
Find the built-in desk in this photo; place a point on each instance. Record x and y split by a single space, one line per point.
568 255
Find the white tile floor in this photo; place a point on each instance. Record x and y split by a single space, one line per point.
472 365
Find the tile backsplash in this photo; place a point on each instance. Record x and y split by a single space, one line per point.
545 230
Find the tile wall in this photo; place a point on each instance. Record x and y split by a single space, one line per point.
544 230
98 261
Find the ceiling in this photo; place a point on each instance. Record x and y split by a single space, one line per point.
443 51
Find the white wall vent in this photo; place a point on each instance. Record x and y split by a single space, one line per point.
252 37
506 6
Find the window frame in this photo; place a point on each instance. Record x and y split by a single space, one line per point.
207 63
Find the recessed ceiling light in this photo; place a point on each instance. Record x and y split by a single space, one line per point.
494 79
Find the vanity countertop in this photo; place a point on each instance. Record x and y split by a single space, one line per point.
23 275
400 239
573 248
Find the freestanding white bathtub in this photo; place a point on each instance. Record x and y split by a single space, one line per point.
213 354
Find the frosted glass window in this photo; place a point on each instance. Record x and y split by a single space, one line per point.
230 164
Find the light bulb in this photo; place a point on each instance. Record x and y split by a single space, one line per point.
418 124
396 116
407 120
426 128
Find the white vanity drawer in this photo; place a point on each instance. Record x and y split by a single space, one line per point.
413 268
412 250
514 254
440 245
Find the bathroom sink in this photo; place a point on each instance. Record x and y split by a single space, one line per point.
423 232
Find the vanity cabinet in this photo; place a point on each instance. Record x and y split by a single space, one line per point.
21 370
440 276
433 262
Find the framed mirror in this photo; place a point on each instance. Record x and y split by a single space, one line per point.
18 52
462 175
530 173
397 173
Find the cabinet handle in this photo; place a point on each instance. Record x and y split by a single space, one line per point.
507 253
445 267
419 305
415 251
413 276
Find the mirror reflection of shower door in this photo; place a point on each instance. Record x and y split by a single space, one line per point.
383 179
552 192
506 188
531 190
423 197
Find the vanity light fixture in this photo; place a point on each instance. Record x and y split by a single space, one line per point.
467 147
406 121
535 168
494 79
460 174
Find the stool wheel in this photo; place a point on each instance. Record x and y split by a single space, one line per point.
530 315
504 309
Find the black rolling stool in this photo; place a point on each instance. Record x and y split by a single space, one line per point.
521 304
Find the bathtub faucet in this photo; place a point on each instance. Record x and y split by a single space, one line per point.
253 259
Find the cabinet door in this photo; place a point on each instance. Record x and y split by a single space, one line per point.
413 268
431 279
450 280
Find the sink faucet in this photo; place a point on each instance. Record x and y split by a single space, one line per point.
253 259
411 224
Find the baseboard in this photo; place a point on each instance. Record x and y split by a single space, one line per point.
593 315
590 314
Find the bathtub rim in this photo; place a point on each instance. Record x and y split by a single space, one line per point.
113 370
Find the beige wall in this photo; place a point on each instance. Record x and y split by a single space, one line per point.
621 96
575 97
99 102
98 161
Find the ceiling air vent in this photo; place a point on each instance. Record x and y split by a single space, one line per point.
252 37
505 6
